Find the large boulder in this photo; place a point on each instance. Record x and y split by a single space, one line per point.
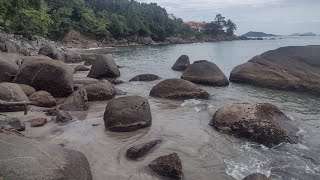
54 77
71 57
104 66
78 101
9 65
43 99
262 122
100 91
141 150
205 72
178 89
145 77
127 114
289 68
169 165
256 176
10 92
51 51
182 63
25 158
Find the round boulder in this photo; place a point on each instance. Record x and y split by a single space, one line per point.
263 123
182 63
10 92
104 66
48 75
206 73
43 99
100 91
169 165
38 122
127 114
145 77
51 51
178 89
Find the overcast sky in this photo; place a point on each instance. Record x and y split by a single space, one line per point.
281 17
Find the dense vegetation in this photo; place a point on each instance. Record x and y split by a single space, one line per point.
98 18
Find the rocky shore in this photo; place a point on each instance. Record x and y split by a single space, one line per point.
37 75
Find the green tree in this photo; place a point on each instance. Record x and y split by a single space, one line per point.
231 27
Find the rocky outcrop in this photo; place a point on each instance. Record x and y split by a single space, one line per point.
288 68
52 76
256 176
100 91
81 68
24 158
38 122
28 90
178 89
104 66
263 123
8 66
51 51
43 99
206 73
145 77
78 101
141 150
169 165
10 92
127 114
182 63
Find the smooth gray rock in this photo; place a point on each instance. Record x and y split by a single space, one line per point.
10 92
43 99
141 150
52 76
78 101
104 66
127 114
294 68
100 91
51 51
145 77
206 73
178 89
182 63
28 90
9 65
24 158
169 165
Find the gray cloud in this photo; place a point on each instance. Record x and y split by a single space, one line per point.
272 16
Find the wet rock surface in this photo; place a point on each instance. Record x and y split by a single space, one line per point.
178 89
182 63
145 77
263 123
206 73
141 150
289 68
169 165
126 114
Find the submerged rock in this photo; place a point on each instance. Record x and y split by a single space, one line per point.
141 150
145 77
78 101
288 68
52 76
169 165
182 63
127 114
100 91
38 122
205 72
43 99
178 89
104 66
24 158
256 176
262 122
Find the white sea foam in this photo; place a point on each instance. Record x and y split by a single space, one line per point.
190 102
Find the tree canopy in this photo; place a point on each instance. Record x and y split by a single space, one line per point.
98 18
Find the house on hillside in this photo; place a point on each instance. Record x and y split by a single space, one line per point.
198 26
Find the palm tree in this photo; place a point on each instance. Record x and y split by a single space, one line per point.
231 27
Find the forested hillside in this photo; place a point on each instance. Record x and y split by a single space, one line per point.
95 18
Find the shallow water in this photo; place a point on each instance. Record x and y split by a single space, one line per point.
183 125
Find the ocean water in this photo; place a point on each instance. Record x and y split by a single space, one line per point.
206 154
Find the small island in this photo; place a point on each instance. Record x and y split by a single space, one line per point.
258 34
